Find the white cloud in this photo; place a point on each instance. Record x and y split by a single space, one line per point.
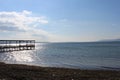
19 20
21 25
25 25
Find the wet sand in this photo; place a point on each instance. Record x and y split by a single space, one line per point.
25 72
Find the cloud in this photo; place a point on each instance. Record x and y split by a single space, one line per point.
25 25
19 20
22 25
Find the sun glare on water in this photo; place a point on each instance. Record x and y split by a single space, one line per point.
23 56
32 57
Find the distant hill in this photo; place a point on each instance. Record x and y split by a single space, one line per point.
110 40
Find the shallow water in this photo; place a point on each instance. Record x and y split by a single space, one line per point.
94 55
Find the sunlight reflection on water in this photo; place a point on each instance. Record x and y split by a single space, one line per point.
17 56
26 56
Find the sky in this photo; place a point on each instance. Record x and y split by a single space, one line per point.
60 20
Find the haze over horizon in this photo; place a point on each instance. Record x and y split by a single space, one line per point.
60 20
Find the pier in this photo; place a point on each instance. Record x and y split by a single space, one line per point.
16 45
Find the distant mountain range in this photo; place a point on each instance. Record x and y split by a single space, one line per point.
110 40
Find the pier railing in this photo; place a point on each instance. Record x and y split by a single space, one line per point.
16 45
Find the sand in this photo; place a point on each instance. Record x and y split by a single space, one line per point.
25 72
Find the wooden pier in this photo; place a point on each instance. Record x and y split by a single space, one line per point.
16 45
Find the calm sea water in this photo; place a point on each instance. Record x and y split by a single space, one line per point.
94 55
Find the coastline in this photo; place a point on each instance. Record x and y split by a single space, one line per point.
26 72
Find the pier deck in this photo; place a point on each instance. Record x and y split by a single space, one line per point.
16 45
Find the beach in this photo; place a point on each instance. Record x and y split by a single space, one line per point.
26 72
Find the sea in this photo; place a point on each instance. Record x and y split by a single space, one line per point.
77 55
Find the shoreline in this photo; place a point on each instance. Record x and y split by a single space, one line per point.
29 72
102 68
